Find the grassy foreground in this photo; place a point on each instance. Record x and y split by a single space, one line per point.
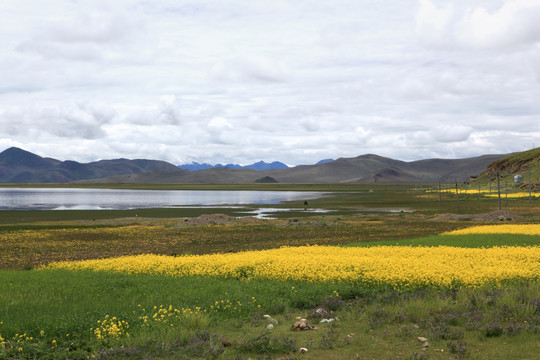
48 313
60 314
55 315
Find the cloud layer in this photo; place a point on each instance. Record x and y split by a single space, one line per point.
296 81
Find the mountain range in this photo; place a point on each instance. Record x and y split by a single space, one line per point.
261 166
20 166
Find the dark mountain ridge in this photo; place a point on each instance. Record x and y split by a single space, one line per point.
20 166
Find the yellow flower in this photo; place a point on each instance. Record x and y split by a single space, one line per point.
524 229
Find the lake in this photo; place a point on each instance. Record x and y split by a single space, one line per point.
121 199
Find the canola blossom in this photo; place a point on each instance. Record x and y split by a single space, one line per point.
513 195
490 193
523 229
397 266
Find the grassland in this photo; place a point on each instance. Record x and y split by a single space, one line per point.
48 313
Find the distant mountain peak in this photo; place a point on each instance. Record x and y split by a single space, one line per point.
260 165
19 157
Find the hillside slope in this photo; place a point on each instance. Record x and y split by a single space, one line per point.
20 166
365 168
517 163
525 163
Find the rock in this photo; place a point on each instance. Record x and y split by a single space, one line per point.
425 345
422 339
303 350
302 324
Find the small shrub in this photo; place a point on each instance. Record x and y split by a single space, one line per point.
204 345
319 314
379 317
266 344
329 340
405 331
276 309
332 303
493 330
459 348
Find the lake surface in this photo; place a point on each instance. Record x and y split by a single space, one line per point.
116 199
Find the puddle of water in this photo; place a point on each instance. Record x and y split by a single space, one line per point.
264 213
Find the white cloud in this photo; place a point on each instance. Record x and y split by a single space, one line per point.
219 124
512 24
251 68
239 81
74 121
450 134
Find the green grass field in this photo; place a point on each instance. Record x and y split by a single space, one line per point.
57 314
468 241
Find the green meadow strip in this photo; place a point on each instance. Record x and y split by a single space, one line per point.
466 241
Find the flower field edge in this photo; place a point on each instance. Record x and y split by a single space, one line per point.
523 229
397 266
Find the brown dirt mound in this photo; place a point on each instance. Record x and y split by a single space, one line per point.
211 219
498 215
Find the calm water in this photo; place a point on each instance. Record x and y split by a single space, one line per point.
105 199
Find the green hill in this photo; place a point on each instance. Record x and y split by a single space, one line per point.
525 163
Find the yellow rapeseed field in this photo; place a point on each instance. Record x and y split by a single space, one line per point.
490 193
513 195
524 229
398 266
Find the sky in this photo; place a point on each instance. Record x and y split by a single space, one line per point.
297 81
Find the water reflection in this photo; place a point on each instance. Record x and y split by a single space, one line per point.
122 199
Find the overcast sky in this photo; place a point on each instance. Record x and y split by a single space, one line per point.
237 81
